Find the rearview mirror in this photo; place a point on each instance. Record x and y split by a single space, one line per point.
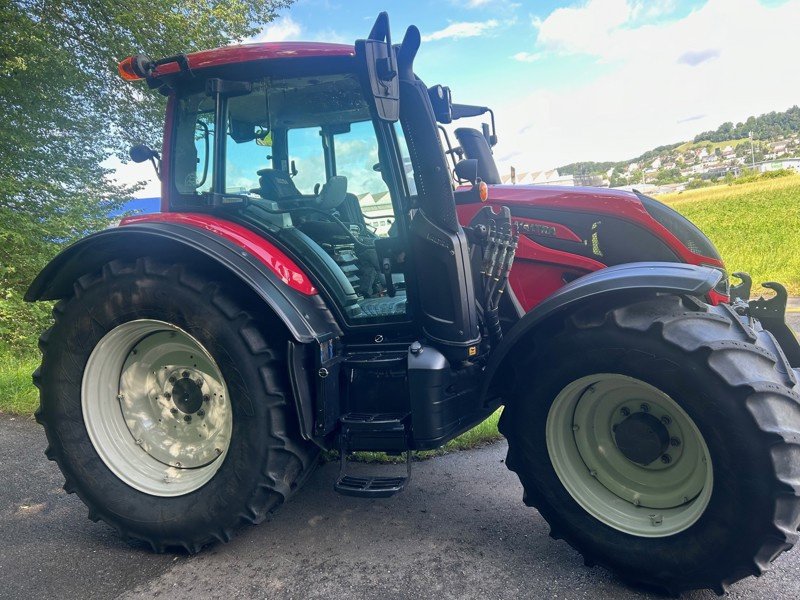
142 152
380 67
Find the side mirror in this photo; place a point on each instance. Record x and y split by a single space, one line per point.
467 170
142 152
491 139
380 65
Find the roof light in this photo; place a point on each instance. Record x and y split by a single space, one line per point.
126 70
135 67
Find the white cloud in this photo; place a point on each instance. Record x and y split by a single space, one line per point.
461 30
652 83
280 30
132 172
527 56
477 3
584 29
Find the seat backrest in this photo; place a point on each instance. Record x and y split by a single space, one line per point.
277 185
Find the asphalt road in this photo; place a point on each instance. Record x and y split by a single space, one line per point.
459 531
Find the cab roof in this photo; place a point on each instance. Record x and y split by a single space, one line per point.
252 52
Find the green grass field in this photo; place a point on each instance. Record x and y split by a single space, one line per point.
755 226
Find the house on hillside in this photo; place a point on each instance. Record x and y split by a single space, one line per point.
656 164
378 211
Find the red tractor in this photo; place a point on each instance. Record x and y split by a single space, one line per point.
327 274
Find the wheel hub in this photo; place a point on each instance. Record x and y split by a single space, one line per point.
187 394
156 407
641 438
629 454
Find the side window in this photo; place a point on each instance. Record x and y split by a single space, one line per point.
305 151
193 161
357 159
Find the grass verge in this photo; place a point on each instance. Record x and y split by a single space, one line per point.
753 225
18 396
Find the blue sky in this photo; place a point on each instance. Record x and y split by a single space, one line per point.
585 79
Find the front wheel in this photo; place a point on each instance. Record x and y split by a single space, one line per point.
166 404
659 439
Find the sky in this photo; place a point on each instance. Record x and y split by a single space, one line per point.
584 79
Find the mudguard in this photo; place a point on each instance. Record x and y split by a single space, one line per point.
629 278
305 315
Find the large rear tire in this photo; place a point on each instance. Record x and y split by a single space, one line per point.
661 439
166 405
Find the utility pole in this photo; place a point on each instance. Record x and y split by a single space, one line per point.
752 152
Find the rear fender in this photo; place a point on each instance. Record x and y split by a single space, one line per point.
305 315
628 280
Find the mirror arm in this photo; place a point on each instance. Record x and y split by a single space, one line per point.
156 162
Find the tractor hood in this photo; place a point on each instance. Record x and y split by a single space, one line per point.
546 202
582 199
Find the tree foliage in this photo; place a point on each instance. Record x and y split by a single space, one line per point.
764 127
65 112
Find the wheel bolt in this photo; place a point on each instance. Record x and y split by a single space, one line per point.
187 418
185 374
645 408
201 413
206 398
167 395
172 380
174 411
674 442
666 420
199 383
625 411
666 459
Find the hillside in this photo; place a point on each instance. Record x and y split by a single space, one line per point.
711 155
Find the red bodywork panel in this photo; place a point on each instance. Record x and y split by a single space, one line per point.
280 264
538 270
250 52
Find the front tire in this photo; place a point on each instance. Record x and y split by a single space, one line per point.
660 439
166 405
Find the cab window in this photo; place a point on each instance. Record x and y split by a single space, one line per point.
304 154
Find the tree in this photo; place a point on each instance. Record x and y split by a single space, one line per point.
65 111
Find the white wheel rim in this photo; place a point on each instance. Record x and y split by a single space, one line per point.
655 498
156 408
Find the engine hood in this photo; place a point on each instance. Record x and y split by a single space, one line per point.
579 199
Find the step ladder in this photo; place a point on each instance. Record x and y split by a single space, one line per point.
378 432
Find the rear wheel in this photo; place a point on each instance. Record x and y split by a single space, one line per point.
166 405
658 439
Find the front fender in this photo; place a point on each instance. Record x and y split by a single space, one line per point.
628 279
305 314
